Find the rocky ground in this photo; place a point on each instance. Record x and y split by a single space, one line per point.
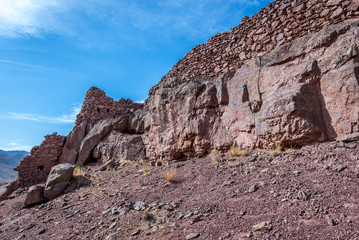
308 193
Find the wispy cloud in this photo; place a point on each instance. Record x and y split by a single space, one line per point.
32 66
96 22
63 119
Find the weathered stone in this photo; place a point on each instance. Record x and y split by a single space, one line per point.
287 100
350 137
98 106
96 134
35 195
58 180
72 144
119 145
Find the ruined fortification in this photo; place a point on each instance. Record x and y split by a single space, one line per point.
279 23
97 106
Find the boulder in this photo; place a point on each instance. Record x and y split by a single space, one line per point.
95 135
35 195
72 144
58 180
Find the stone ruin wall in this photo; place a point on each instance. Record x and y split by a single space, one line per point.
279 23
97 106
35 167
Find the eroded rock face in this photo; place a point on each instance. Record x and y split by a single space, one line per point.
95 135
72 144
120 145
301 92
58 180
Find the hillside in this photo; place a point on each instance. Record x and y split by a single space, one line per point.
259 127
308 193
8 161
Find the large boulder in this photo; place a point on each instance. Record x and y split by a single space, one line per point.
35 195
58 180
120 145
95 135
72 144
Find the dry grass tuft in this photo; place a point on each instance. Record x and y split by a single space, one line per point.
236 151
79 171
170 174
145 170
277 149
215 156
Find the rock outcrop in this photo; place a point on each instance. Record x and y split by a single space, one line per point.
298 93
119 145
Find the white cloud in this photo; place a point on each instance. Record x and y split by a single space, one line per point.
66 118
30 17
99 22
16 146
13 144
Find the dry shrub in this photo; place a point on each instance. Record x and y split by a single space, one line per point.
215 156
170 174
149 218
236 151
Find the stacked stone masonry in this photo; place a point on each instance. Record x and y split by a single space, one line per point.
97 106
35 167
280 23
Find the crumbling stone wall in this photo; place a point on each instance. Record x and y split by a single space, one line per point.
97 106
280 22
35 167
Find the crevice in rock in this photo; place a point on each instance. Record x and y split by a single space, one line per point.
328 130
356 74
255 105
245 95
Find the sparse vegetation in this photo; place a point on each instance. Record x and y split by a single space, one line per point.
79 170
148 218
170 174
290 149
80 177
215 156
236 151
277 149
145 170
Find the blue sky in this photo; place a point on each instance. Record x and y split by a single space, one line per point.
53 51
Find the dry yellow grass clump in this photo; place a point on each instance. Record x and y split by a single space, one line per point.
277 149
170 174
145 170
236 151
214 156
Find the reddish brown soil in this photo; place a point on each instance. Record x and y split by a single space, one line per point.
300 195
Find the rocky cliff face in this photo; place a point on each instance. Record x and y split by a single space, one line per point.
298 93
